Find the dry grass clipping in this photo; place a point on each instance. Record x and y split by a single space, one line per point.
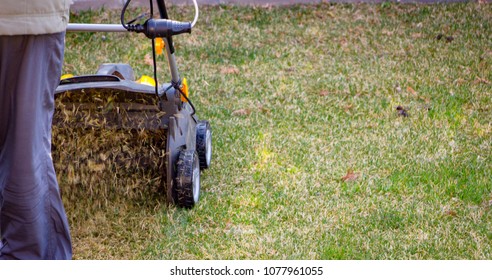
109 152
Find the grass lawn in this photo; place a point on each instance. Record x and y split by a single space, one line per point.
340 132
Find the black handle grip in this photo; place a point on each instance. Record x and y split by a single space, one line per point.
165 28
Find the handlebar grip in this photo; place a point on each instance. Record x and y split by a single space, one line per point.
165 28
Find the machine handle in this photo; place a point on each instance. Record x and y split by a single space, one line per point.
152 28
91 27
162 28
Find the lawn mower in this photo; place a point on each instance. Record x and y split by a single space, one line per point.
113 100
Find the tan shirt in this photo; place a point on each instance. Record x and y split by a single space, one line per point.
33 17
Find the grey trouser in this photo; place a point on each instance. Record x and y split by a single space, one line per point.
33 224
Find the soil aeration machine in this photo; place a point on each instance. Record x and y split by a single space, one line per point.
113 99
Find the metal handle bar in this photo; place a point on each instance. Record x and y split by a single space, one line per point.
91 27
152 28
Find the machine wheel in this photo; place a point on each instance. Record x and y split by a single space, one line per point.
187 184
204 143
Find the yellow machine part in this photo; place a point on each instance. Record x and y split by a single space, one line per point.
184 88
66 76
159 45
146 80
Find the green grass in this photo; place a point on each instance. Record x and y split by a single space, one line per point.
298 98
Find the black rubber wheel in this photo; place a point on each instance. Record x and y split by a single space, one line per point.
187 184
204 143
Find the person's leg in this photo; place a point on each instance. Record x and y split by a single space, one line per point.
33 224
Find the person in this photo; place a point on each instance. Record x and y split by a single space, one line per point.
33 222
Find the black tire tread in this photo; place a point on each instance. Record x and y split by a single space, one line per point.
201 131
183 190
